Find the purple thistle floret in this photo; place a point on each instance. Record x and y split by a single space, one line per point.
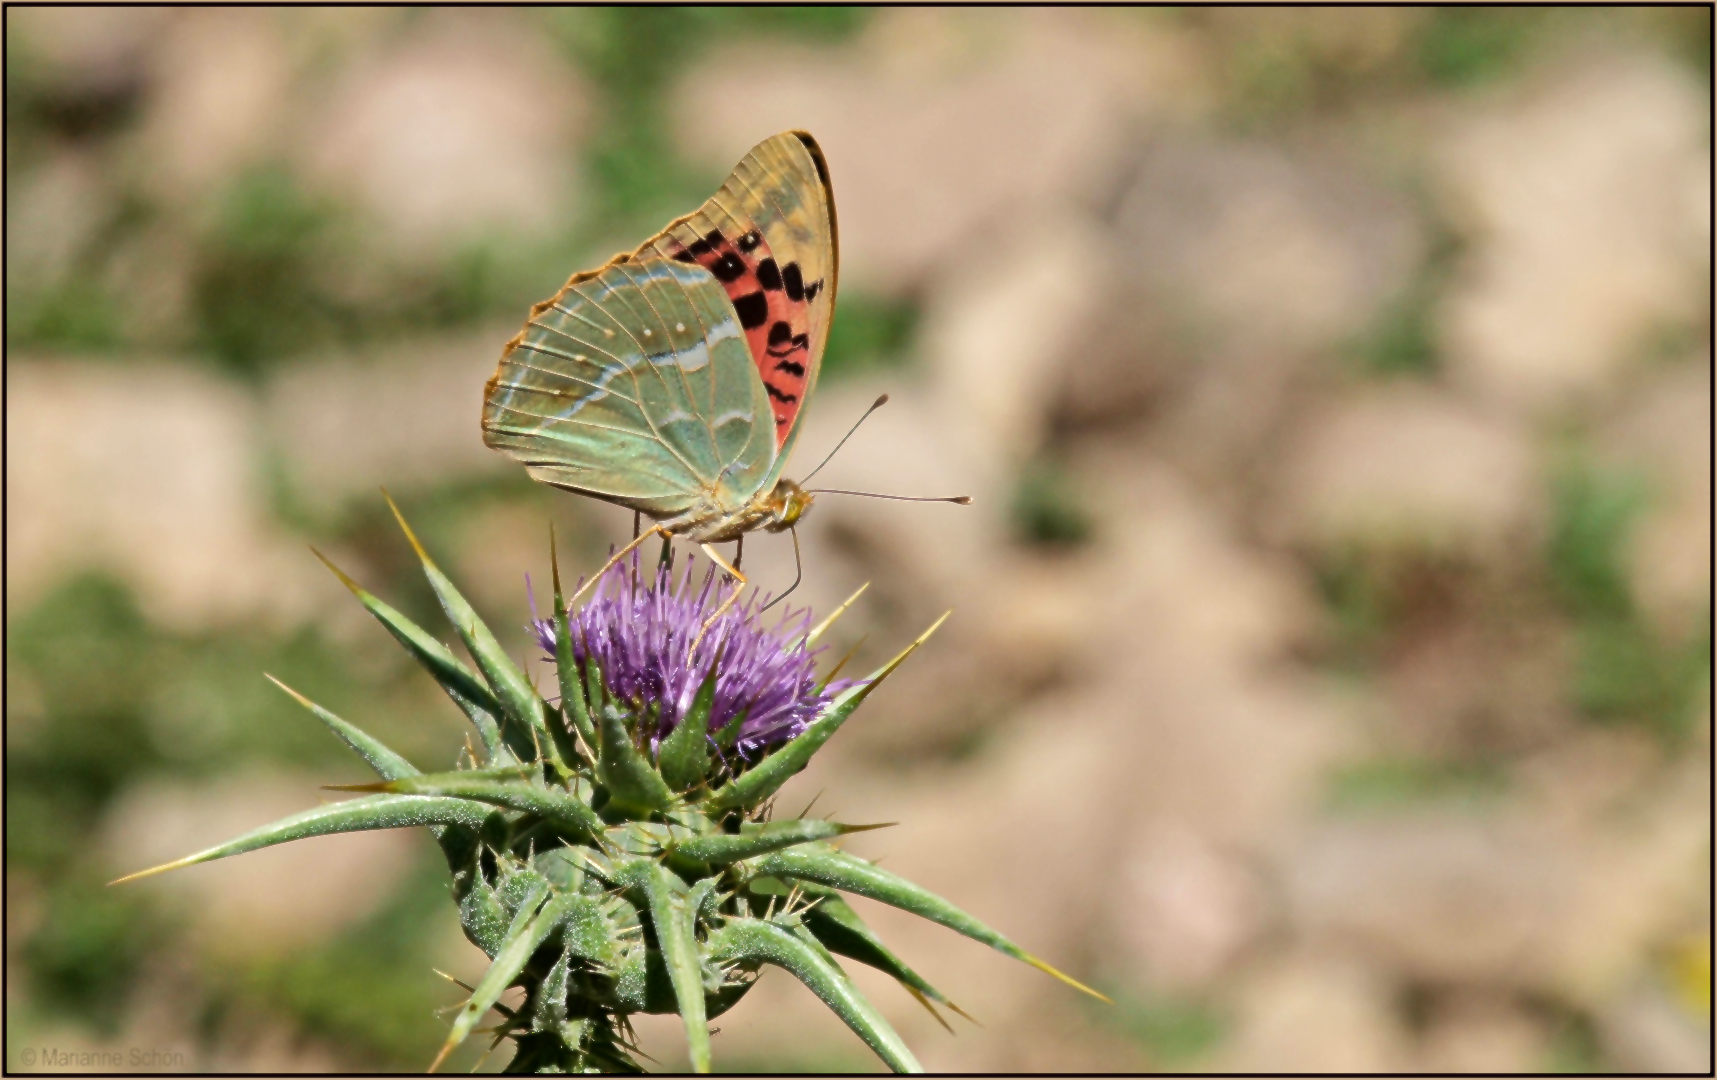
641 634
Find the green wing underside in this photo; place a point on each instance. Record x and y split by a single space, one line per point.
636 386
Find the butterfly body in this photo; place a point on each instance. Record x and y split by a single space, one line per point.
671 380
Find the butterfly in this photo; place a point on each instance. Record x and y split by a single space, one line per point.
672 380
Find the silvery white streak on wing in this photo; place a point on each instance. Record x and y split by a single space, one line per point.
694 358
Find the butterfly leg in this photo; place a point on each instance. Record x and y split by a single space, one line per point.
738 550
733 572
612 559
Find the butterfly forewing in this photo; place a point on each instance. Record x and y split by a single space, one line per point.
634 385
769 237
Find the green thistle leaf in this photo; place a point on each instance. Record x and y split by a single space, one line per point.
387 764
753 941
626 772
559 808
529 929
684 754
719 849
848 873
840 929
356 815
520 703
572 703
461 683
679 947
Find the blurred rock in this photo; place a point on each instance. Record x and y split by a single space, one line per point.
943 125
906 448
1180 568
53 212
469 124
1436 898
1005 324
1407 467
401 416
1329 41
1316 1014
1515 900
1589 773
1643 1031
220 84
1130 358
1252 258
89 50
1290 248
1643 875
301 892
1587 195
1465 677
1665 435
1482 1033
148 470
1184 910
497 548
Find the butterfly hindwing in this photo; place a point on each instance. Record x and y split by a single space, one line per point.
769 237
634 385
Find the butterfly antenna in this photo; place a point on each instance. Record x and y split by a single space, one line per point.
875 405
798 572
963 500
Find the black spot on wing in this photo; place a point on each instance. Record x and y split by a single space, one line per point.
795 369
713 238
752 309
697 249
816 153
794 281
786 399
684 255
780 334
794 343
769 275
728 268
813 289
749 241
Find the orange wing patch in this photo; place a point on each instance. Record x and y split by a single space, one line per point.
772 303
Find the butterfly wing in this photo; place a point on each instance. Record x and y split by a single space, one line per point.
769 237
634 385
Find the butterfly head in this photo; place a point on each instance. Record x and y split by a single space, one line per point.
787 504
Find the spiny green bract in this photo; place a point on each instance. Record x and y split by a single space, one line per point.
608 876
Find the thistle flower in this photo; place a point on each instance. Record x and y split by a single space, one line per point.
618 809
640 637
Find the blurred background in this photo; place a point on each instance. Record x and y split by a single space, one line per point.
1329 679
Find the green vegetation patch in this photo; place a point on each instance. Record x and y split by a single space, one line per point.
1392 783
1626 670
1176 1032
869 333
1048 508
